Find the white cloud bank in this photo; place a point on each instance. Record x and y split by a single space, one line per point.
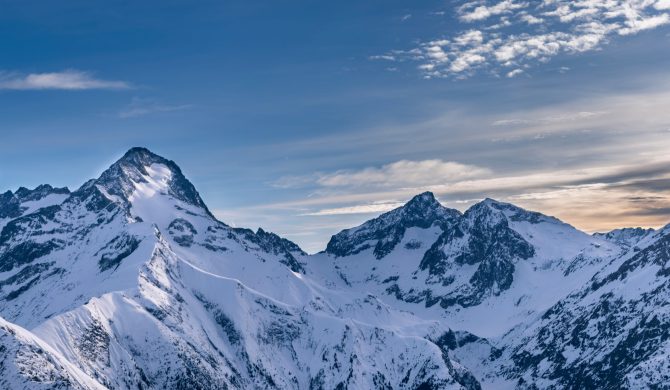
67 80
506 37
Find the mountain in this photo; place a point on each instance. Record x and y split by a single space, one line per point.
626 237
131 282
495 259
385 232
25 201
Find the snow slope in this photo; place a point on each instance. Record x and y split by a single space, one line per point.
614 332
27 362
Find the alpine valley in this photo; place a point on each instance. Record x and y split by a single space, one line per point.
130 282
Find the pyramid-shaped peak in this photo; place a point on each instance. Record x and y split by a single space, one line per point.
142 157
136 166
424 199
424 205
133 166
422 211
138 150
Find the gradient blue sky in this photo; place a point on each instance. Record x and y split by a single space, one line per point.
306 117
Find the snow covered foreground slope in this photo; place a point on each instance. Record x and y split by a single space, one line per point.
130 282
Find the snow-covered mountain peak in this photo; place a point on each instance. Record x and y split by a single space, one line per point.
40 192
94 241
25 201
626 237
423 203
24 195
425 206
492 210
141 173
386 231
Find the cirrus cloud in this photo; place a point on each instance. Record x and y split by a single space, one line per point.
72 80
141 107
372 208
403 173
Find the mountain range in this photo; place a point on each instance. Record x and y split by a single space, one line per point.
130 282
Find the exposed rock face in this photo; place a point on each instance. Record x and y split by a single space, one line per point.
386 231
16 204
122 177
483 238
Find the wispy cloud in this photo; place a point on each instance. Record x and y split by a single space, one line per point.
371 208
505 37
403 173
72 80
141 107
567 117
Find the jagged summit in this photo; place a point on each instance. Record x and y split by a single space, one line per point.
25 194
139 164
627 237
424 200
136 151
39 192
422 211
24 200
141 157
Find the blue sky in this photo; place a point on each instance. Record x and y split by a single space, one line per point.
306 117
